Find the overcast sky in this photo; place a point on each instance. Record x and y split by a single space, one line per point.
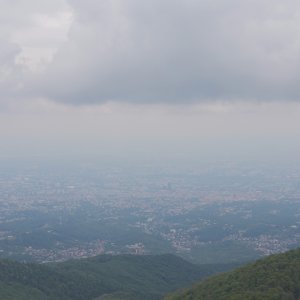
162 78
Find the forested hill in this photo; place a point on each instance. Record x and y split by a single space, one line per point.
274 277
101 277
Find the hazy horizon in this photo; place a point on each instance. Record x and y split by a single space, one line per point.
161 80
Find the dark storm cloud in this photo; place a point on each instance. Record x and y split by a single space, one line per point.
175 51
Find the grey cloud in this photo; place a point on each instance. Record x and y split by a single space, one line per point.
176 51
10 72
17 18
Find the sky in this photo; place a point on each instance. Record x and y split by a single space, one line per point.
159 79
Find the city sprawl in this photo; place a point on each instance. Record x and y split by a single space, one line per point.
219 212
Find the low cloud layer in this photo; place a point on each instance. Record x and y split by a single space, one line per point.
159 51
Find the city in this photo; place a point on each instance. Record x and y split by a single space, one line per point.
218 212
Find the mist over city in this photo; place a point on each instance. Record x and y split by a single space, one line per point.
147 145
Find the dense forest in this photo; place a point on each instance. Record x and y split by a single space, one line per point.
130 277
275 277
102 277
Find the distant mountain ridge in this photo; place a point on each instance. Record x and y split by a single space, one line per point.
103 277
276 277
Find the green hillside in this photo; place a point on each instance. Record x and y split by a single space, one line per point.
102 277
275 277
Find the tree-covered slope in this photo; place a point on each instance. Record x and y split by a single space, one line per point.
101 277
274 277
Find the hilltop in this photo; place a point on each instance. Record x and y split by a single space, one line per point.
274 277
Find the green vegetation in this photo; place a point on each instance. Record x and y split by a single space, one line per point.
103 277
275 277
130 277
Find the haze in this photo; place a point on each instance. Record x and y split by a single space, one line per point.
179 80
